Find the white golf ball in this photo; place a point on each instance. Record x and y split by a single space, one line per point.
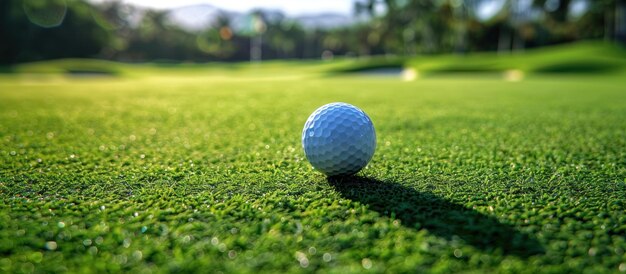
339 139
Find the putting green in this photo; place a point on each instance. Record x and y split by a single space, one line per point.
198 168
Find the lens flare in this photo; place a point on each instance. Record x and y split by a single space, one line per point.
46 14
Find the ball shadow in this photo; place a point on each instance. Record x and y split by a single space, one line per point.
421 210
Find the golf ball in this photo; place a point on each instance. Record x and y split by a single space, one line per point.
339 139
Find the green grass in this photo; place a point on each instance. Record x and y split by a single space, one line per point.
591 57
579 58
202 170
588 57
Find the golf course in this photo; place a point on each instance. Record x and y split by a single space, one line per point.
484 163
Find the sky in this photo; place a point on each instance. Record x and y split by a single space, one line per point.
300 7
291 7
489 8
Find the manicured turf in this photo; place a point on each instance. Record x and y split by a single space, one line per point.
204 171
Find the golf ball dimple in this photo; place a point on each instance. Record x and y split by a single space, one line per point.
339 139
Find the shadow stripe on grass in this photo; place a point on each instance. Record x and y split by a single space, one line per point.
421 210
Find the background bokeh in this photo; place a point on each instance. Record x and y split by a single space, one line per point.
32 30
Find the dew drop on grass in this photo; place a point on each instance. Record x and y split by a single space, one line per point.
232 254
221 247
27 268
126 243
51 245
458 253
120 259
366 263
327 257
302 259
137 255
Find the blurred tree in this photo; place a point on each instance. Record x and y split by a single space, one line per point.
424 26
556 10
37 30
285 38
116 17
156 38
218 39
620 21
602 19
44 29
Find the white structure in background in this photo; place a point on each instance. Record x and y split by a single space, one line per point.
256 40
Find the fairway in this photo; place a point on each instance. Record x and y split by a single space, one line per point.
199 169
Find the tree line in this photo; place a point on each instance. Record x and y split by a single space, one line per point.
40 30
